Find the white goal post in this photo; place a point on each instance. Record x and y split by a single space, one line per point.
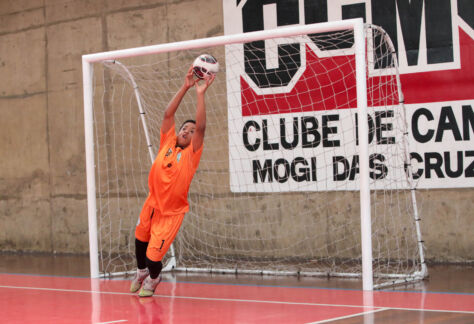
224 233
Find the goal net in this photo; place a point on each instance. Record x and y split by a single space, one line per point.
280 186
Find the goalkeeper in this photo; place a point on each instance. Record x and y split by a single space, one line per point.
169 180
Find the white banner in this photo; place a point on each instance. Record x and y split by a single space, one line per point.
317 151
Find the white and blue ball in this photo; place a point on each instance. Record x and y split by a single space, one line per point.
205 64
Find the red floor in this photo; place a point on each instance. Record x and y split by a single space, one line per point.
48 299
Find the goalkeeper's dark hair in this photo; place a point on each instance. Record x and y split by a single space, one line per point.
187 121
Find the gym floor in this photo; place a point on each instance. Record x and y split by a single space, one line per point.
56 288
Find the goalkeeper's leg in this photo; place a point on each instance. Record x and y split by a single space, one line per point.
153 280
142 271
142 237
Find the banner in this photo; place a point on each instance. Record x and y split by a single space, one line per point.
434 41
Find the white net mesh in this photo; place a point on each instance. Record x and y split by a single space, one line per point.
277 186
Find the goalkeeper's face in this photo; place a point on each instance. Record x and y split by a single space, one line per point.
186 134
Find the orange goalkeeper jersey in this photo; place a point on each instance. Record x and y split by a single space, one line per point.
171 175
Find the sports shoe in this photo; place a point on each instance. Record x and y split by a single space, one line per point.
149 286
140 275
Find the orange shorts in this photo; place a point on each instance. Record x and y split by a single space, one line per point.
160 231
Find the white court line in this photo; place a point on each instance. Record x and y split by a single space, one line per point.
349 316
187 297
431 310
117 321
238 300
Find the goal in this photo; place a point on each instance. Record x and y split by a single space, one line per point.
305 169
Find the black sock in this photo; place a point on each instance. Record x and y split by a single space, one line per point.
154 267
140 253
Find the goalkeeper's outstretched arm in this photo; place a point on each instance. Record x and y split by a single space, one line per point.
201 88
168 118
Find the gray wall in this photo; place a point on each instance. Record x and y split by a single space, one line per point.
42 167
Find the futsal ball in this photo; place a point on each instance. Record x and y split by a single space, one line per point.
205 64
